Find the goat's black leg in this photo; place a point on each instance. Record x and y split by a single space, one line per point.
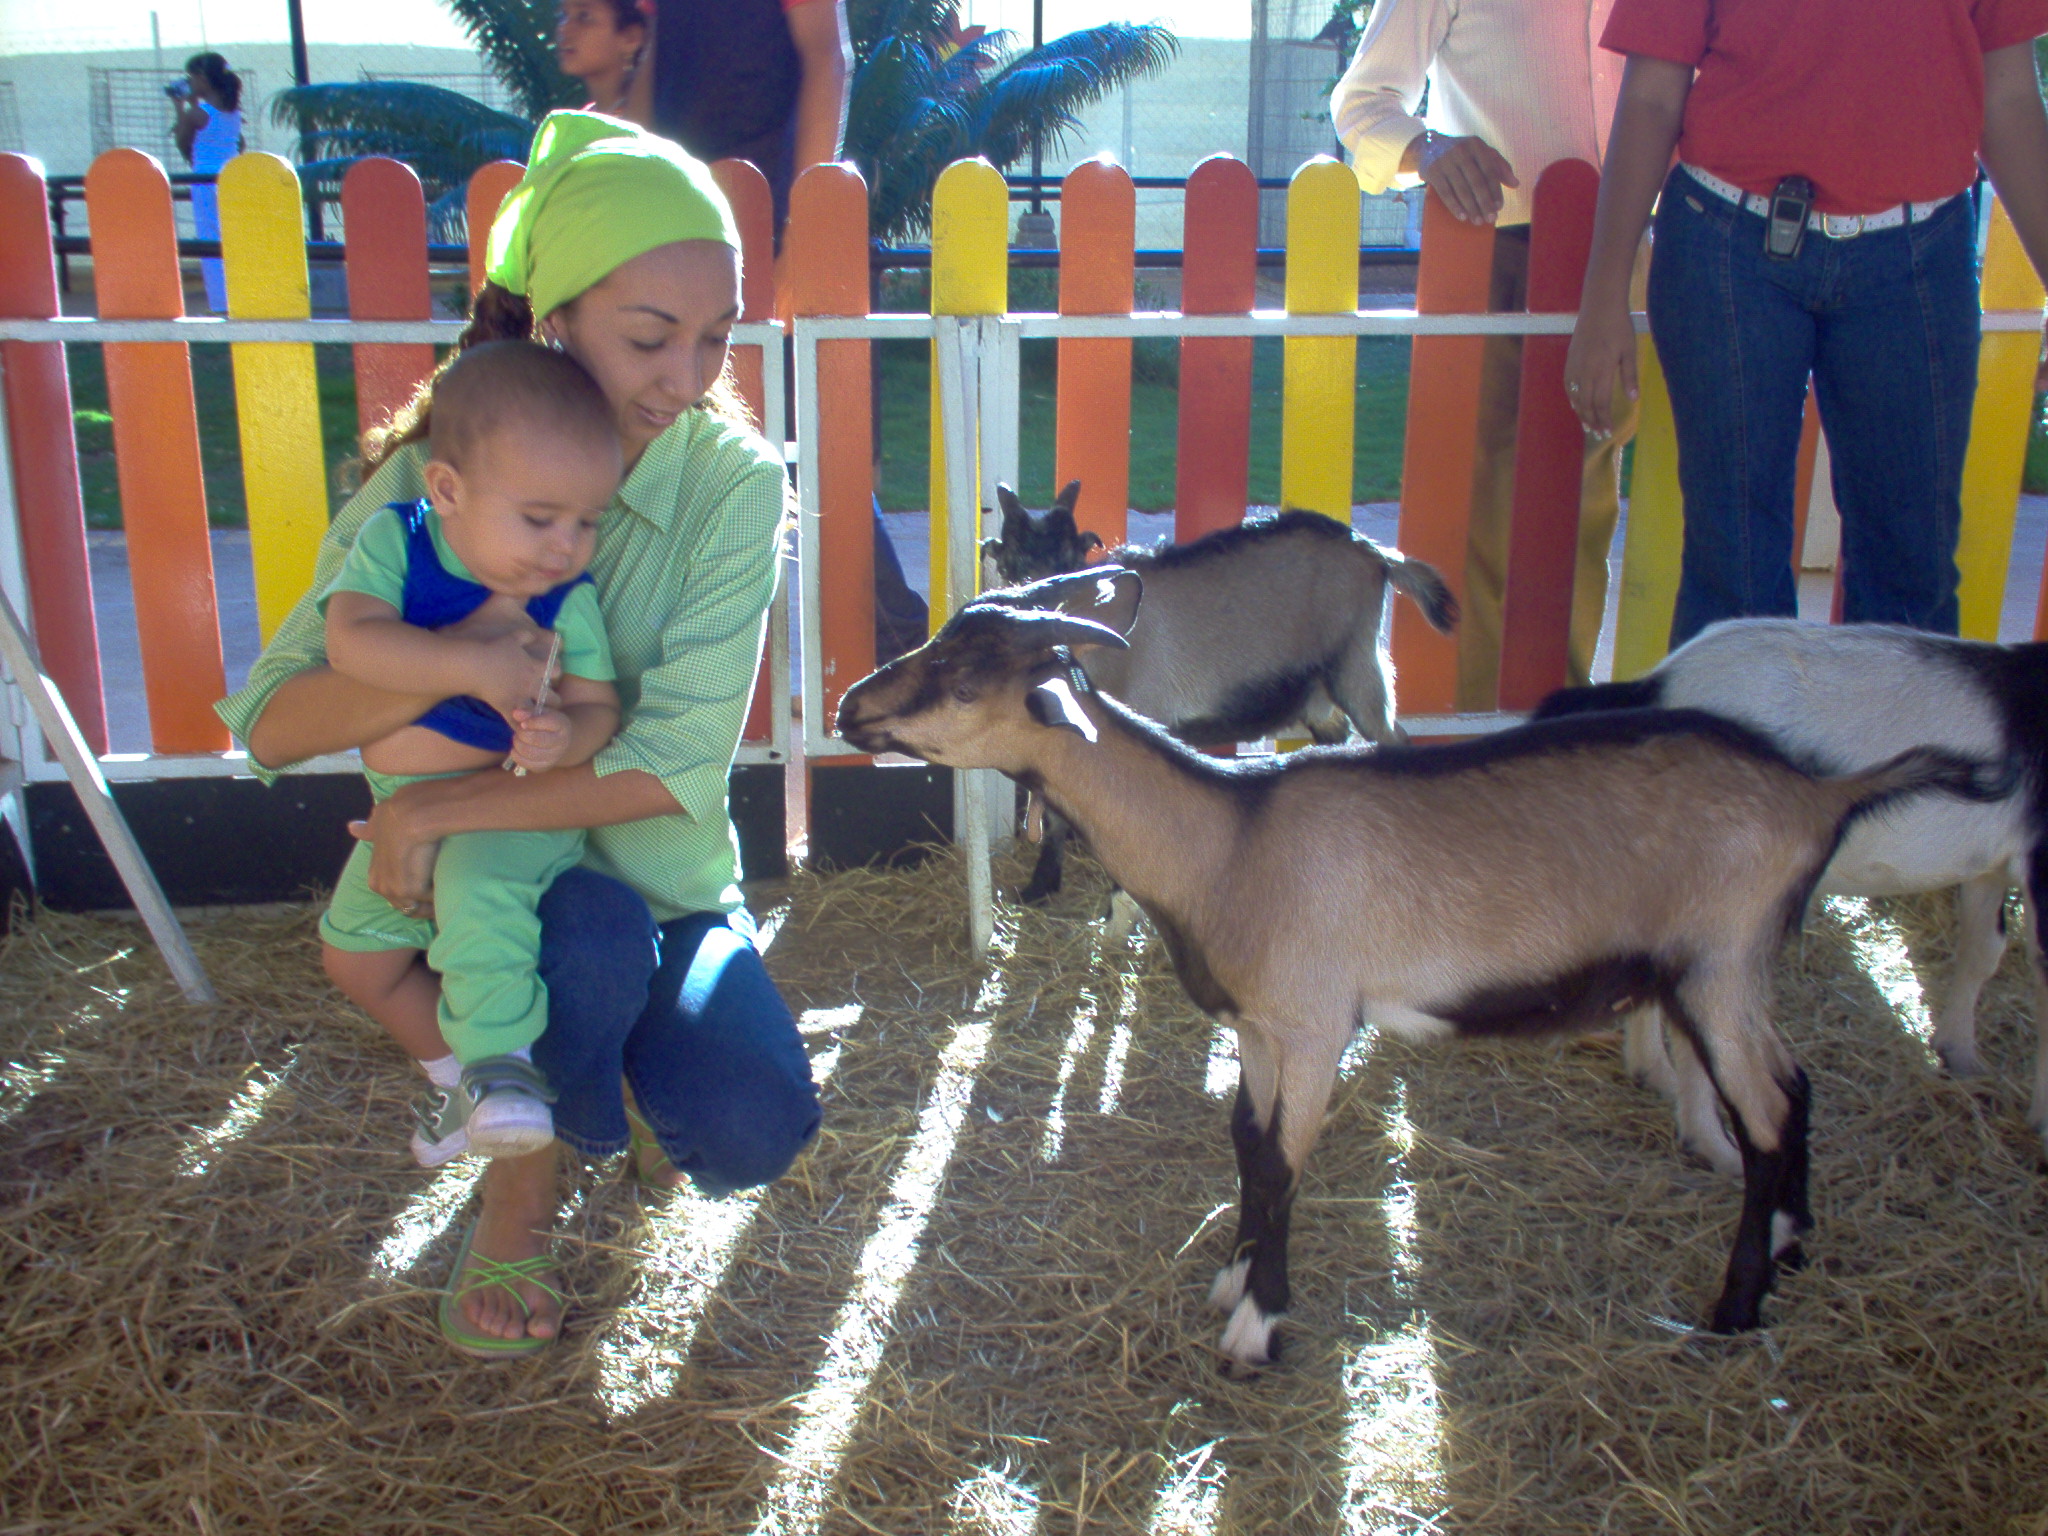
1045 874
1774 1213
1253 1286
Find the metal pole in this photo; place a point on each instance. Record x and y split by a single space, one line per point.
302 74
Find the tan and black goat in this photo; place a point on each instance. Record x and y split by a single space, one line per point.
1544 880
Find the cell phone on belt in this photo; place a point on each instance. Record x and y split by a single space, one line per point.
1785 228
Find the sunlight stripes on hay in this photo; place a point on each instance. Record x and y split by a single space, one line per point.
1119 1044
1219 1078
1079 1037
21 1081
1393 1440
995 1501
1191 1497
690 1248
244 1110
809 1459
1879 945
425 1217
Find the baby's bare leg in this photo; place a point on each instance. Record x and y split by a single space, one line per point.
394 987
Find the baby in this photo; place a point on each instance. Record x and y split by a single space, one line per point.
455 595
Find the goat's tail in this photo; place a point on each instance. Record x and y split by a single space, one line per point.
1419 579
1921 770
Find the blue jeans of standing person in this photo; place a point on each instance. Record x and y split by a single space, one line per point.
684 1011
1887 324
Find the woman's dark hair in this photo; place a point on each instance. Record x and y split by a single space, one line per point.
499 314
212 68
627 13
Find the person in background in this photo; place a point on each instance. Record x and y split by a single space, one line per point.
1812 226
208 134
759 80
1513 85
599 42
767 81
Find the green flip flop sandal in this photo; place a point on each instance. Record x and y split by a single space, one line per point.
647 1166
476 1272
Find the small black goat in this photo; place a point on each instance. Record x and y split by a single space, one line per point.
1544 880
1244 633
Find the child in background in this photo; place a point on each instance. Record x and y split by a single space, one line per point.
454 596
599 42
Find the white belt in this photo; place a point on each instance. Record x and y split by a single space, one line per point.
1836 226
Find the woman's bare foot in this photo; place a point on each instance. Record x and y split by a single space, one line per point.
516 1222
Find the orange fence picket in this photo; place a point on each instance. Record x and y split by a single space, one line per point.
753 209
51 513
385 214
156 453
1219 276
488 187
1550 448
827 247
1098 276
1438 455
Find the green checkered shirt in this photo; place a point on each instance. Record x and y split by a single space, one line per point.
685 568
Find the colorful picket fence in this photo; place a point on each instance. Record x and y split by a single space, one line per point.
974 337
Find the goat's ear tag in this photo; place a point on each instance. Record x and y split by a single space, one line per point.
1052 702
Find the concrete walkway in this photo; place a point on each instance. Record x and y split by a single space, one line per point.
121 658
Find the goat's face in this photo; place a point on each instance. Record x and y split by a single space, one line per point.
1034 547
972 695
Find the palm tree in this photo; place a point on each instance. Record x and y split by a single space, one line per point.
444 135
925 94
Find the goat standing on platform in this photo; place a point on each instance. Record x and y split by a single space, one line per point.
1545 880
1245 633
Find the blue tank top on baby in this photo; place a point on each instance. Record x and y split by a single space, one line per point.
436 597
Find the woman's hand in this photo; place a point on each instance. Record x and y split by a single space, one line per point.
511 669
1603 352
401 861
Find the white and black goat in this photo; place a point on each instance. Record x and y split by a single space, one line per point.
1244 633
1545 880
1838 699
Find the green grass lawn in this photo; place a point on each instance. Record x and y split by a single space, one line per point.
904 368
220 445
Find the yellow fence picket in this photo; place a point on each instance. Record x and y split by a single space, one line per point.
970 276
277 398
1998 433
1320 376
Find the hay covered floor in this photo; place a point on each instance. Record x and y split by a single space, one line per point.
977 1305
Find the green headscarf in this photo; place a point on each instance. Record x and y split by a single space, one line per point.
597 192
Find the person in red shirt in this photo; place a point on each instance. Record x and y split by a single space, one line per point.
1815 223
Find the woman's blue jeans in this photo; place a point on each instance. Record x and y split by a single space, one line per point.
685 1012
1887 324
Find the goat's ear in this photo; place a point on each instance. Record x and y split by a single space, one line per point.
1015 518
1105 594
1093 550
1068 498
1052 702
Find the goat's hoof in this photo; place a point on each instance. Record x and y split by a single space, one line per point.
1249 1341
1961 1061
1732 1315
1227 1290
1036 895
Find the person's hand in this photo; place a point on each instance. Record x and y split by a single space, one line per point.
1602 355
539 738
511 652
401 863
1467 173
